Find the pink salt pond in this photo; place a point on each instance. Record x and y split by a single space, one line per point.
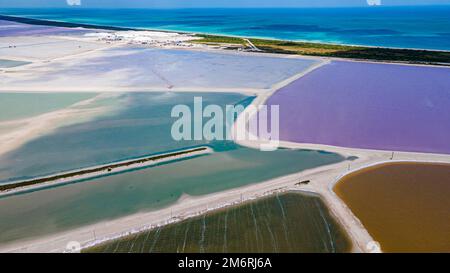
367 105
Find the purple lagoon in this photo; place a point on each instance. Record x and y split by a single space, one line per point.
367 105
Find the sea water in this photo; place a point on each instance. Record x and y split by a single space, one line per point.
405 27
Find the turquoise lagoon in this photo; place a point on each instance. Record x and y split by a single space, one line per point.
139 125
23 105
142 126
10 63
61 208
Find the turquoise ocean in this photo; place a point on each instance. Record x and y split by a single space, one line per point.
426 27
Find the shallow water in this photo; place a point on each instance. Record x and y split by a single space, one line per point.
404 206
66 207
22 105
370 106
141 127
287 223
9 63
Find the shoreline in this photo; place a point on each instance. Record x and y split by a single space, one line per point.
58 23
55 23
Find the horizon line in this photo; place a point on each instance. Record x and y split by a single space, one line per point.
246 7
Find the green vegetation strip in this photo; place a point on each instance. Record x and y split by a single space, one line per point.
109 168
337 51
290 222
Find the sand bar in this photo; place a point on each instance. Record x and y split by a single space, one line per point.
96 171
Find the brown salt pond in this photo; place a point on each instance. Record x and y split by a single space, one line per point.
404 206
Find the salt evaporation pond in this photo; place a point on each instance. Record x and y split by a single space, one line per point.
404 206
63 208
366 105
34 49
167 69
291 222
141 127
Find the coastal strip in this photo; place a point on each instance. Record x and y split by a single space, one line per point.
274 46
333 51
92 172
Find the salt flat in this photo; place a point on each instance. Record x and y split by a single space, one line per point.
14 29
149 69
97 60
43 49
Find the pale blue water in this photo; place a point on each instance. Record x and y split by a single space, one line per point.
410 27
22 105
11 63
141 127
66 207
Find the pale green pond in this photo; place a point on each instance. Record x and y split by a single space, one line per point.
22 105
142 127
10 63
